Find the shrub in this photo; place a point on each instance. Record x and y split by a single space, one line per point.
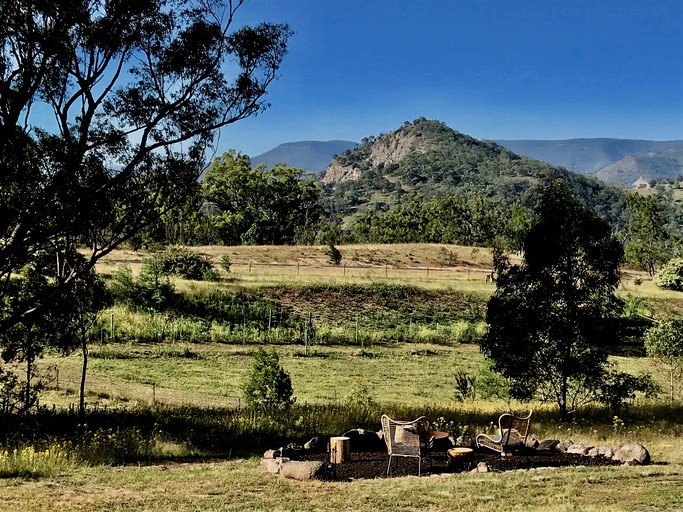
465 387
670 275
269 386
184 263
334 254
226 262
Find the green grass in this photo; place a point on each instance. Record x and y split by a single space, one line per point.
174 396
239 485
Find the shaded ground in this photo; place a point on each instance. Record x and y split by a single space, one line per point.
374 464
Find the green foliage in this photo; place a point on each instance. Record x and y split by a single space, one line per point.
334 254
670 275
616 389
438 162
645 246
465 387
89 169
184 263
549 318
268 385
664 343
261 206
226 262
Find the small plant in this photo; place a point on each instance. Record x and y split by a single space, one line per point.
334 254
269 386
465 387
618 425
226 263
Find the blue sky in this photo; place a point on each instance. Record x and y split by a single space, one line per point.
494 69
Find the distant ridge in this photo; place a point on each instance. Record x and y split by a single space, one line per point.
585 156
649 165
311 156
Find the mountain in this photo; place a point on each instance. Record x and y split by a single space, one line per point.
649 165
585 156
311 156
431 160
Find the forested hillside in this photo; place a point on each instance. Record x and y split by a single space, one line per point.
428 159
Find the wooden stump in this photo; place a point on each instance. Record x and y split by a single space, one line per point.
340 449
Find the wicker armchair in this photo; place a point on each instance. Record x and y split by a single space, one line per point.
512 435
405 439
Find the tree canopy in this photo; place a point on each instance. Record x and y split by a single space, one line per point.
106 106
261 206
549 317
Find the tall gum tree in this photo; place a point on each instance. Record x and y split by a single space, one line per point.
105 107
550 317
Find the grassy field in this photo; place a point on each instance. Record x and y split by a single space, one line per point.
370 372
238 485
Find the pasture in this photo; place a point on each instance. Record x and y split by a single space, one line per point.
167 430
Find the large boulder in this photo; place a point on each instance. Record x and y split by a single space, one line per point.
628 453
301 470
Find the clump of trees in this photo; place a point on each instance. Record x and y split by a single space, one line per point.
107 110
260 206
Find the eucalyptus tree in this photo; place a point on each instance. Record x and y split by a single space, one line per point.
106 106
646 237
550 318
260 205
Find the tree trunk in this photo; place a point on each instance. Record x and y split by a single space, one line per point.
29 375
84 348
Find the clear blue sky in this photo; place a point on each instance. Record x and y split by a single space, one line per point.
494 69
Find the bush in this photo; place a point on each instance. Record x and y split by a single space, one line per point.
186 264
269 386
670 275
226 262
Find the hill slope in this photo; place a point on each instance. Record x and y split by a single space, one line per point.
430 159
662 163
584 156
311 156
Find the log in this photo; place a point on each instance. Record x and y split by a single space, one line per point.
340 449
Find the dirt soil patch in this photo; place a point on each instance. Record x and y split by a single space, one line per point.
374 464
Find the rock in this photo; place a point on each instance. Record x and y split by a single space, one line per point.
578 449
564 445
271 454
482 467
593 452
532 442
630 463
273 466
632 452
608 453
315 445
301 470
547 445
365 441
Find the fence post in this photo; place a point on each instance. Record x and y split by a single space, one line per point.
111 326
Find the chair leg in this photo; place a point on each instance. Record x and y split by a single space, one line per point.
389 466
